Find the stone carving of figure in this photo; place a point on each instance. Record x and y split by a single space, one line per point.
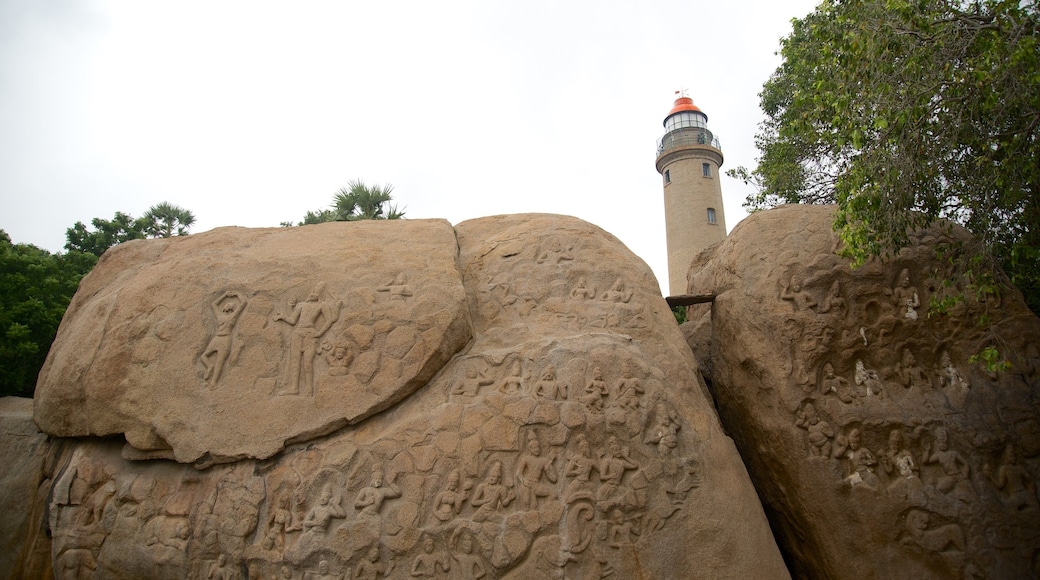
834 301
905 296
793 293
220 570
820 432
617 293
530 470
327 508
227 309
286 573
427 563
470 385
279 522
339 359
168 549
92 513
491 494
936 539
370 499
912 375
595 391
548 388
310 320
621 531
470 566
323 573
579 467
372 567
869 379
955 469
612 468
512 383
898 463
74 564
861 461
629 389
1013 478
448 503
948 374
665 432
555 254
831 383
582 291
397 288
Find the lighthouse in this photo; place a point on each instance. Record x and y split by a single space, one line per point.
688 158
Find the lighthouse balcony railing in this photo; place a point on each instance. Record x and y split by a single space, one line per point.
685 138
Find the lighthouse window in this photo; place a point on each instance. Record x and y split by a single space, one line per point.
711 215
667 175
706 168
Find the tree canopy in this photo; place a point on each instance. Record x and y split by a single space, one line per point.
356 202
162 220
904 112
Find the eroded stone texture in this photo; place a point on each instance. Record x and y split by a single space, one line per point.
878 448
25 464
231 343
570 439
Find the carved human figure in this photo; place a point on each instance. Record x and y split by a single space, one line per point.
793 293
470 566
555 254
448 503
595 391
905 297
470 385
665 431
831 383
898 463
397 288
372 566
169 549
582 291
310 320
285 573
834 302
861 461
491 495
621 531
955 469
868 379
579 468
629 389
339 358
319 516
530 470
949 376
513 382
220 570
324 572
912 375
936 539
370 499
612 468
1013 478
617 293
227 309
429 565
92 512
820 432
548 387
278 523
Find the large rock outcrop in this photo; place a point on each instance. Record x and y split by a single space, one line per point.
879 449
378 400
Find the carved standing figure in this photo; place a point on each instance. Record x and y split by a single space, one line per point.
1014 480
595 391
530 470
869 379
793 293
911 374
227 309
310 320
905 296
427 564
831 383
318 518
955 469
448 503
612 468
861 461
512 383
491 494
370 499
579 467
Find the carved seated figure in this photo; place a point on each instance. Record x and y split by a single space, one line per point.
955 469
491 495
470 385
936 539
869 379
579 467
530 470
948 374
595 391
912 375
318 518
397 288
612 468
582 291
820 432
448 503
427 563
470 566
323 573
793 293
905 297
1014 480
898 463
512 383
371 567
861 461
548 387
370 499
834 302
831 383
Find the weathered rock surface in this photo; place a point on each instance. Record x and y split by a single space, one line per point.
235 342
878 449
570 437
25 460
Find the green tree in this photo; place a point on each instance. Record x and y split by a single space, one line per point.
106 233
35 289
356 202
164 220
904 112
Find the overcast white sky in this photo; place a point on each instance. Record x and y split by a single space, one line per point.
250 113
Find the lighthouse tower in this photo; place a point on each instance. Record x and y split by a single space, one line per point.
688 159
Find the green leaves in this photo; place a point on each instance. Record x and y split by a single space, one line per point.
356 202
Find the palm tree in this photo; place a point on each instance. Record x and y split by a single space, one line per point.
165 220
358 201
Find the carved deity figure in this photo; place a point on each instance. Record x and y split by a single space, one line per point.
512 383
793 293
427 564
834 302
220 570
372 567
227 309
621 531
937 539
397 288
310 320
530 470
370 499
555 254
339 358
491 495
612 468
629 389
948 374
898 463
861 461
579 468
548 388
617 293
582 291
820 432
665 432
470 385
279 522
869 379
470 566
955 469
1013 478
905 297
912 375
831 383
595 391
323 573
448 503
327 508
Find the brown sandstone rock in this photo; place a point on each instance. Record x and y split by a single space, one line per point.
570 438
25 461
879 450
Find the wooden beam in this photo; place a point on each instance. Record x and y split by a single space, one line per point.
689 299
